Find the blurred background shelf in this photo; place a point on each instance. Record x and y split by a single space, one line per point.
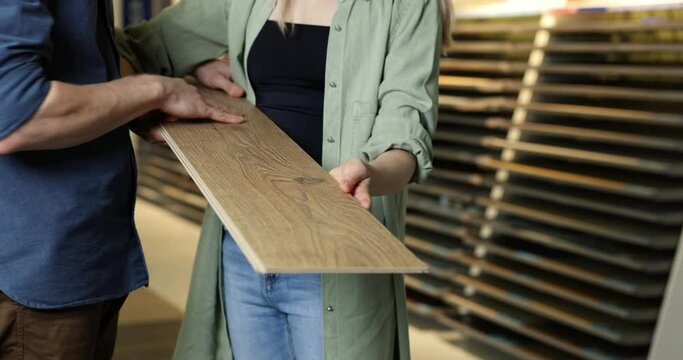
556 203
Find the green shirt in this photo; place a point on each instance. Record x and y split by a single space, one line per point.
381 76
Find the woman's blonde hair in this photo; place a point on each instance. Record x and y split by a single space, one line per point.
446 14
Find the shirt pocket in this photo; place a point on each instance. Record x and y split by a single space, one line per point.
364 114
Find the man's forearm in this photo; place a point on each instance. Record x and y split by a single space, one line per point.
391 172
75 114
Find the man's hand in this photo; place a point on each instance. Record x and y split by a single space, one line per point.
216 74
183 101
354 177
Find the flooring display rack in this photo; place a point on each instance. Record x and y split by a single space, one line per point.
554 212
163 181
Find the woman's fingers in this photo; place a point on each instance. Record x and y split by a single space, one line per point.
218 74
353 178
224 83
362 193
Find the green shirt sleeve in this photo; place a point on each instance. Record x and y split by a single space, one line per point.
178 39
408 93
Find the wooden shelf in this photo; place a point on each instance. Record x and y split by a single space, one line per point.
571 342
611 227
642 186
501 338
590 247
627 282
608 114
499 67
605 301
558 157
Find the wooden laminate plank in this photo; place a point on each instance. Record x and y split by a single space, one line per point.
173 192
615 228
609 47
421 308
428 285
608 114
608 277
599 91
471 178
186 211
573 342
479 84
493 122
285 212
665 214
471 215
611 303
564 47
497 28
613 26
457 192
469 46
439 227
642 186
608 136
479 104
563 27
167 164
440 268
596 248
466 137
465 154
594 154
448 250
500 67
600 70
553 308
183 182
502 339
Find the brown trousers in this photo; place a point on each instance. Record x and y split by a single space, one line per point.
81 333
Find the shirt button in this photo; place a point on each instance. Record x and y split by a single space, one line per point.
338 28
330 309
333 84
330 139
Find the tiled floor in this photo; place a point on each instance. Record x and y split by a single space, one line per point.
151 317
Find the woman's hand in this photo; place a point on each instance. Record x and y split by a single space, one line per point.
216 74
388 174
354 177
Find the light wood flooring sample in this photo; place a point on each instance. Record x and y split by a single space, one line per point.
285 212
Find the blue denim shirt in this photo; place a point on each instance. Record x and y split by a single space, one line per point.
67 235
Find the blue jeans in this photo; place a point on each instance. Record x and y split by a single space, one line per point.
271 316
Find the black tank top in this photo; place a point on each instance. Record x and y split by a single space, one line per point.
287 73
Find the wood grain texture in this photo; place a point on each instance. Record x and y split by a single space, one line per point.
285 212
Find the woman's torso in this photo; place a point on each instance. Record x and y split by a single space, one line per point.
287 74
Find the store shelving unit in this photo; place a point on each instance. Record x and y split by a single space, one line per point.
556 204
162 180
